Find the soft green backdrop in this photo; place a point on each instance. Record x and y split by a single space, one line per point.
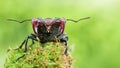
95 42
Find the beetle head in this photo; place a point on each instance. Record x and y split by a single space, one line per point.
53 26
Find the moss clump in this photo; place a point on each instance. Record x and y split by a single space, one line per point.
48 55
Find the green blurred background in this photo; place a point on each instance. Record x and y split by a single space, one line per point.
95 42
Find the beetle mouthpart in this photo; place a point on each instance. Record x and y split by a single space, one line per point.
48 30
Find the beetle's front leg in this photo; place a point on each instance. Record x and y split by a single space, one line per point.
33 37
64 38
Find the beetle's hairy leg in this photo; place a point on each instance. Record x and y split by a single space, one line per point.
22 44
33 38
18 47
66 50
64 38
33 41
20 57
25 49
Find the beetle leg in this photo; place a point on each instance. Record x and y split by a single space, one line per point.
64 38
32 43
32 37
20 57
18 47
22 44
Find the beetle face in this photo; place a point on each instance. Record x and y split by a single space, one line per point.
53 26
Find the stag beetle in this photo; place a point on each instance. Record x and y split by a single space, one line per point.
47 30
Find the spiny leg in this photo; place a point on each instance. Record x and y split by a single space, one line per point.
20 57
32 43
33 37
18 47
64 38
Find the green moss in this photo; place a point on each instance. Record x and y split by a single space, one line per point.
48 55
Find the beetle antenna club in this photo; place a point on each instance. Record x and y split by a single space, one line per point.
19 21
78 20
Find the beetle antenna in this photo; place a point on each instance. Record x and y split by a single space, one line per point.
78 20
19 21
